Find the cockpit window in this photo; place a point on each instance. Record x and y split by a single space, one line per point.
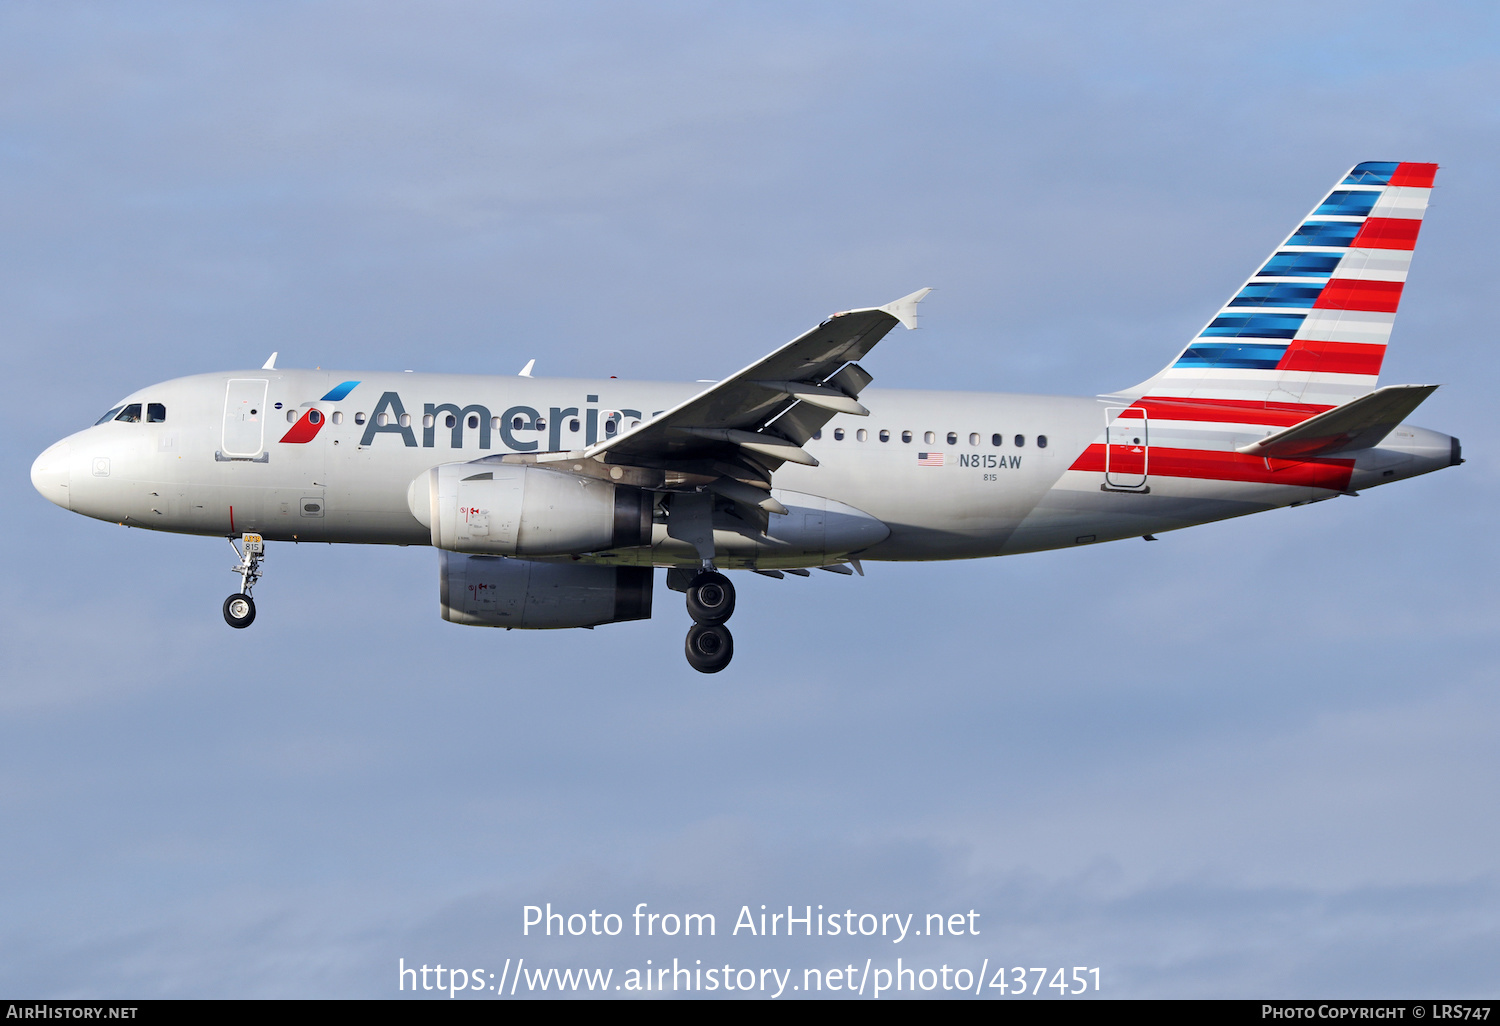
156 413
108 416
131 414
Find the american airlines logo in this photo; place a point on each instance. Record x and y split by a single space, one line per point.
390 416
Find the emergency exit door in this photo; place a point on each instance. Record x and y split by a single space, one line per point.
1127 448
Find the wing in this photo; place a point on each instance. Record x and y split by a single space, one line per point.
758 419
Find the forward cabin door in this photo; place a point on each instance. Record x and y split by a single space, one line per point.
244 418
1127 448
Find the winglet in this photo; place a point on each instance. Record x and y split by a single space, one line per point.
526 370
905 308
271 363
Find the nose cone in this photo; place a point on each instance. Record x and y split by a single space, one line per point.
50 473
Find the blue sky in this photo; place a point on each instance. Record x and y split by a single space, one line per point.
1253 759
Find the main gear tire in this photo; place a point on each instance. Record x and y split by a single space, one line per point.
709 647
710 598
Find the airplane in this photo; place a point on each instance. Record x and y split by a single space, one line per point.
551 502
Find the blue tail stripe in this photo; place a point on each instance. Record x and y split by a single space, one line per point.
1278 294
1372 172
1325 233
1264 325
1347 203
1236 356
1300 265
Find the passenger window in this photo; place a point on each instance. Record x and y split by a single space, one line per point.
995 439
906 436
838 434
108 416
541 424
473 421
359 418
929 438
314 417
291 416
952 437
974 438
1041 441
382 419
156 413
131 414
1020 441
573 424
404 419
861 434
635 423
338 416
885 436
817 434
449 421
611 426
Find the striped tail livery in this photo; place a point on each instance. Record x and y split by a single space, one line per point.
1283 378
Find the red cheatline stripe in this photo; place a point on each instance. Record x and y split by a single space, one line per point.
1306 354
304 430
1210 465
1358 294
1417 176
1388 233
1231 411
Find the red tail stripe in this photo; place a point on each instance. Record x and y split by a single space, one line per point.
1332 357
1210 465
1388 233
1417 176
1231 411
1358 294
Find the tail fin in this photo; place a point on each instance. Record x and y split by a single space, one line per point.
1310 327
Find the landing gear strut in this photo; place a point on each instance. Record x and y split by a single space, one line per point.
710 602
239 608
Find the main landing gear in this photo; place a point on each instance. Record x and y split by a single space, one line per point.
710 602
239 608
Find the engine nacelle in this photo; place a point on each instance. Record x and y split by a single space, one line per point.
524 510
493 591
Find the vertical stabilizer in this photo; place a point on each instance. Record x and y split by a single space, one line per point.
1310 327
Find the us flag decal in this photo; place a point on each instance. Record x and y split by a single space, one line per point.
929 459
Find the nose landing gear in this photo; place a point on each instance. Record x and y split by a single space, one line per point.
239 608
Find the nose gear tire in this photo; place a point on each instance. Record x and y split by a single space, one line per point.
709 647
239 610
710 598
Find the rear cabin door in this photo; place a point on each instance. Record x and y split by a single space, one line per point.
1127 448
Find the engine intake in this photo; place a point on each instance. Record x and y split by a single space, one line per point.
526 510
491 591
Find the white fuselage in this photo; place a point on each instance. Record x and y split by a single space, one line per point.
952 475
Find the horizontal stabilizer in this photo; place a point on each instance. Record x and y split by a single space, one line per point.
1359 424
